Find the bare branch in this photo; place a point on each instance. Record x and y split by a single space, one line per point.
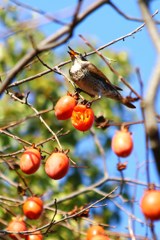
122 38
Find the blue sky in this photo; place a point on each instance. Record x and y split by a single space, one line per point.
107 28
106 25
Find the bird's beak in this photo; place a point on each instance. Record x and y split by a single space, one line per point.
72 53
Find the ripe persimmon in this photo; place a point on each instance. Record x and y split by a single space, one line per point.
57 165
35 236
33 207
17 225
150 204
82 117
95 230
30 160
100 237
64 107
122 143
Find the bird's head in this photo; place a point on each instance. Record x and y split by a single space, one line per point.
75 55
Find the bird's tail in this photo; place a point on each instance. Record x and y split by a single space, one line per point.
117 96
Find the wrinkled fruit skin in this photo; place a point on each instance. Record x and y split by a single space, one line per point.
57 165
64 107
122 143
35 236
33 207
150 204
30 161
82 117
100 237
94 231
17 225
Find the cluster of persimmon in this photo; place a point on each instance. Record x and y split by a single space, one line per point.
82 115
122 146
82 118
32 209
56 166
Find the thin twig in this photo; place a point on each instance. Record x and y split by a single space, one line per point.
101 150
118 10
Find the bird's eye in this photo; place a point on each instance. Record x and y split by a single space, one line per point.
83 58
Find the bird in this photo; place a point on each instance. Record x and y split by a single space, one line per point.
92 81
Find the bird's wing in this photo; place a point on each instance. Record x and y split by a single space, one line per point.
98 74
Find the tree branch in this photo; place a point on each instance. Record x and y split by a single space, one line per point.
48 43
149 101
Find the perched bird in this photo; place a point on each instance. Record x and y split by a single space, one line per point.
92 81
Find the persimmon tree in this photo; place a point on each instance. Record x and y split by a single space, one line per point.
63 158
